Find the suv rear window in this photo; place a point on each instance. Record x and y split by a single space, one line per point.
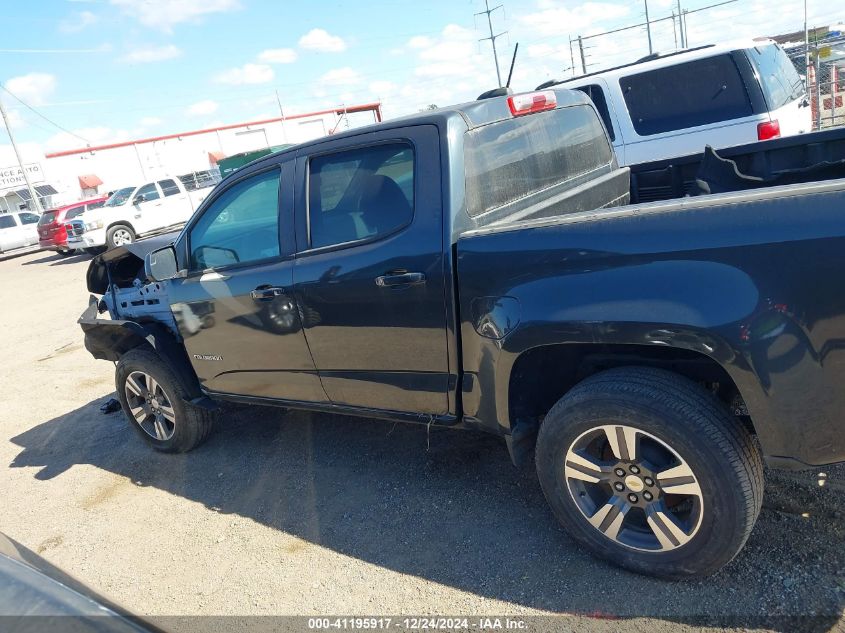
48 217
7 222
780 81
515 158
694 93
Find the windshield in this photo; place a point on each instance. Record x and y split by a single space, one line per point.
119 197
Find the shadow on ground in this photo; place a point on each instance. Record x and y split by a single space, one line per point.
55 259
451 508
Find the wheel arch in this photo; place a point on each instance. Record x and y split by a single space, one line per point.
110 340
541 375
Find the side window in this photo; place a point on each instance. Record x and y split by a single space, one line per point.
241 225
595 93
7 221
685 95
75 212
29 218
168 187
149 191
94 205
360 193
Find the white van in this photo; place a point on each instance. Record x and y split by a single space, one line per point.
719 95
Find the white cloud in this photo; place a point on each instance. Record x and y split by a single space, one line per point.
202 108
78 22
34 88
98 135
277 56
165 14
554 18
382 88
152 54
420 41
150 121
322 41
341 77
246 74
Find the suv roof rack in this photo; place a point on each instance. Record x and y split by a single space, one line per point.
641 60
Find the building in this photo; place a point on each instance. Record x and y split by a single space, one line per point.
86 172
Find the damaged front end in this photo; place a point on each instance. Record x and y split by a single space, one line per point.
118 276
138 310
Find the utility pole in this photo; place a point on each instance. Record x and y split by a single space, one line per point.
492 37
674 30
681 25
32 194
282 114
684 26
583 59
806 43
571 58
648 27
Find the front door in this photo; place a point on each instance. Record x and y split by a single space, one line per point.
147 206
235 308
370 269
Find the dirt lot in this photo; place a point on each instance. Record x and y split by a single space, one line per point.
298 513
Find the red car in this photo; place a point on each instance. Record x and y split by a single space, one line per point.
52 234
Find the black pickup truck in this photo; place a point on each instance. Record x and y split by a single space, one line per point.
482 266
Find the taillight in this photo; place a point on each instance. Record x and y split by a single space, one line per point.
767 130
531 102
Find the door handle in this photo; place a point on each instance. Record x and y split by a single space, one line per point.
265 293
397 278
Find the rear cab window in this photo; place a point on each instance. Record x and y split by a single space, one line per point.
517 158
780 81
360 194
687 95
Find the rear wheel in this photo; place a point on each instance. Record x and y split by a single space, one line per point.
647 469
155 402
119 235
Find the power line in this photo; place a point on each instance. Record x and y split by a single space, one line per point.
50 121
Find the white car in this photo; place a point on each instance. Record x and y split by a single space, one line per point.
133 212
18 229
719 95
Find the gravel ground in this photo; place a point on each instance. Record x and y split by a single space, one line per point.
299 513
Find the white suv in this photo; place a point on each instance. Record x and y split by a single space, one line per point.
719 95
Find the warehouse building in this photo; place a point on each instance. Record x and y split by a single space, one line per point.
86 172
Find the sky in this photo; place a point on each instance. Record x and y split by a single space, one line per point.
101 71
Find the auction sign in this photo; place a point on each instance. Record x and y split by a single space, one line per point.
13 176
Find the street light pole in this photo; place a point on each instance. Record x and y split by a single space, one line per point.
32 193
648 27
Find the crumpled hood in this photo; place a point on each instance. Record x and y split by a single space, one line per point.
125 262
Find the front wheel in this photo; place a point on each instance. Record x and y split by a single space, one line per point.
119 235
155 402
647 469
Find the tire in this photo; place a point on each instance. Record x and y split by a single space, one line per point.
66 253
179 426
119 234
698 517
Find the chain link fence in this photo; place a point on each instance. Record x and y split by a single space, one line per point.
823 67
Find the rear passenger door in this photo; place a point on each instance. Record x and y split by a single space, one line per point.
369 272
176 207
